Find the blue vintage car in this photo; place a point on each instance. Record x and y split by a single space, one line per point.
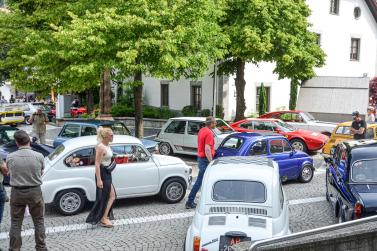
89 127
351 179
293 164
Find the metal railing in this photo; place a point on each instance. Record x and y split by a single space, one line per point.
259 244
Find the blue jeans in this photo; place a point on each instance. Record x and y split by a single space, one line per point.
2 201
202 164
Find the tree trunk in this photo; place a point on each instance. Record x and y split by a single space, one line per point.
138 102
293 95
90 100
240 90
105 93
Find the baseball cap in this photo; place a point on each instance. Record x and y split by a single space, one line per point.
355 114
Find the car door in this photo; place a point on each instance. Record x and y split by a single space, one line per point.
175 134
136 173
281 152
190 141
69 131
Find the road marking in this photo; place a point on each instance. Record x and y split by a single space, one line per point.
139 220
307 201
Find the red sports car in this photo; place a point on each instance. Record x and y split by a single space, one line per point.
302 140
77 111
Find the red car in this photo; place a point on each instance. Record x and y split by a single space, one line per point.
76 112
302 140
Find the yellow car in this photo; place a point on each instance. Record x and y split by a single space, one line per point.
11 115
342 133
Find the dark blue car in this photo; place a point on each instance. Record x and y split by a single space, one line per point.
86 128
293 164
351 179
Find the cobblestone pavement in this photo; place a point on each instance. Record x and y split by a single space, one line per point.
150 224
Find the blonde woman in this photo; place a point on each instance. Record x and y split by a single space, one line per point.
101 212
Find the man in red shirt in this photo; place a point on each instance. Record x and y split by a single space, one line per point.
206 152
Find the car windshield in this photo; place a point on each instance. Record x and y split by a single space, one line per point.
119 129
307 116
222 127
364 171
284 126
239 191
56 152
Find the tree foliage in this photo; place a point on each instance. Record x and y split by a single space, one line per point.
373 88
269 31
262 100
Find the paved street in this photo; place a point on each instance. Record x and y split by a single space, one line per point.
149 224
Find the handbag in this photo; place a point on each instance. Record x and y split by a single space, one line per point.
112 165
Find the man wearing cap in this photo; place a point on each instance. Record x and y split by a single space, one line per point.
206 152
26 167
39 120
358 127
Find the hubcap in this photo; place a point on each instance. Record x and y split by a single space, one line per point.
174 191
165 149
298 146
70 202
307 173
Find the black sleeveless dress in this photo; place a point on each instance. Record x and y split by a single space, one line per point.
102 197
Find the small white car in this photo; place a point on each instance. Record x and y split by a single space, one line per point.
180 135
242 199
69 176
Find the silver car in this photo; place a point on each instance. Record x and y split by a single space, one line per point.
180 135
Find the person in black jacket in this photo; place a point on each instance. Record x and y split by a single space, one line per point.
359 126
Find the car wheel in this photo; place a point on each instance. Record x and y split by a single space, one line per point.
70 202
27 120
165 148
306 174
173 190
299 145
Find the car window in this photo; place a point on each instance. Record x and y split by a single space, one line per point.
271 126
232 143
83 157
176 126
276 146
343 130
56 152
261 125
7 136
369 134
120 129
247 125
193 127
258 148
291 117
88 130
125 154
239 191
286 116
222 127
286 146
364 171
71 131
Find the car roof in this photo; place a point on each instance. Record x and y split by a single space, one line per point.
234 167
94 122
362 149
264 119
78 142
256 135
191 118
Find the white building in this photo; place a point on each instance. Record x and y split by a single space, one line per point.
347 31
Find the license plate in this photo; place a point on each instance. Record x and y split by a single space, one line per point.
226 242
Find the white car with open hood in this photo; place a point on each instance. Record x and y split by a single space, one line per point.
180 135
242 199
68 179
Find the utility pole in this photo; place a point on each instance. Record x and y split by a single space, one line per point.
214 90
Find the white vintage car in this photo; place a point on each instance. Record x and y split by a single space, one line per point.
68 180
180 135
242 199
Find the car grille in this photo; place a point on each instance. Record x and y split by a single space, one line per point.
239 210
216 220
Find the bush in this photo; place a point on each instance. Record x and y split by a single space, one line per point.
122 111
205 113
150 112
166 113
189 111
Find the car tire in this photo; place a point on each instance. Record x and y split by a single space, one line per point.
306 174
70 202
165 148
27 120
299 145
173 190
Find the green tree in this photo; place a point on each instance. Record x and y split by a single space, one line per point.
269 31
262 100
293 94
166 39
